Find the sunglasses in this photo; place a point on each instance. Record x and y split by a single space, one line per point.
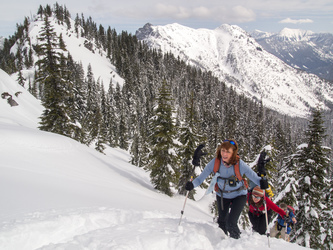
256 197
231 142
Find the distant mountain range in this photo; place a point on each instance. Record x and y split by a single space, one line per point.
251 63
305 50
236 58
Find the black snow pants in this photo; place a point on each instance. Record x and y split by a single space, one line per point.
258 221
228 217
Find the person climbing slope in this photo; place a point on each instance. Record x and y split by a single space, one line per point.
256 199
230 190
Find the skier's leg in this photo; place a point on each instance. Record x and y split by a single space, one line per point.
237 206
223 214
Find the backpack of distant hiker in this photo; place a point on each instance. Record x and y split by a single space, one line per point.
290 208
237 172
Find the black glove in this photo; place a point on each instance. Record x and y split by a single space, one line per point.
261 164
197 154
189 186
263 184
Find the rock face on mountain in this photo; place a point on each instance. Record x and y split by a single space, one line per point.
305 50
236 58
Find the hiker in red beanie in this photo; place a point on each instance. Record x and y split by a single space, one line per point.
257 209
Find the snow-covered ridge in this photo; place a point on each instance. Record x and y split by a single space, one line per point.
295 34
101 66
238 60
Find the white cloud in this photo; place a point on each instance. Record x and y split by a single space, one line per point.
174 11
298 21
222 14
242 14
202 11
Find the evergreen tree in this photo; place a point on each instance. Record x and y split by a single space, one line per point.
111 117
102 130
93 117
162 159
77 100
117 97
20 78
313 185
288 185
55 116
327 218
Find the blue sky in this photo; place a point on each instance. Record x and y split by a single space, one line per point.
130 15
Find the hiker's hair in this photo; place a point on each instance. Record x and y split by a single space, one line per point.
283 206
227 145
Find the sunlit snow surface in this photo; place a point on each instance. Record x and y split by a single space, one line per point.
59 194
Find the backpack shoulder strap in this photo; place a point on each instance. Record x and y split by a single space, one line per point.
216 169
216 165
238 175
290 208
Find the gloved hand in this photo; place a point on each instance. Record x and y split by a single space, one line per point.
197 154
263 183
269 191
189 186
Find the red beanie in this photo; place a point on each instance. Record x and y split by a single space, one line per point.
258 192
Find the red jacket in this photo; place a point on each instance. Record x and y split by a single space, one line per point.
270 205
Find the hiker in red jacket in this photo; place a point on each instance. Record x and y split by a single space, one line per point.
257 209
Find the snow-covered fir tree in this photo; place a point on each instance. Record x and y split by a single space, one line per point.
52 76
78 100
163 161
312 165
328 215
288 185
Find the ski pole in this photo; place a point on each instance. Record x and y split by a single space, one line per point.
182 212
196 162
285 232
267 232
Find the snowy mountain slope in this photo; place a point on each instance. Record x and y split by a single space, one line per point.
101 66
28 110
236 58
59 194
301 49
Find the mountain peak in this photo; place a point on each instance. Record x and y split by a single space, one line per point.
259 34
295 34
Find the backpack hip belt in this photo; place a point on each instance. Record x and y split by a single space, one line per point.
226 191
230 191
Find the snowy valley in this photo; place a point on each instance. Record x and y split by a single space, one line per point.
238 60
